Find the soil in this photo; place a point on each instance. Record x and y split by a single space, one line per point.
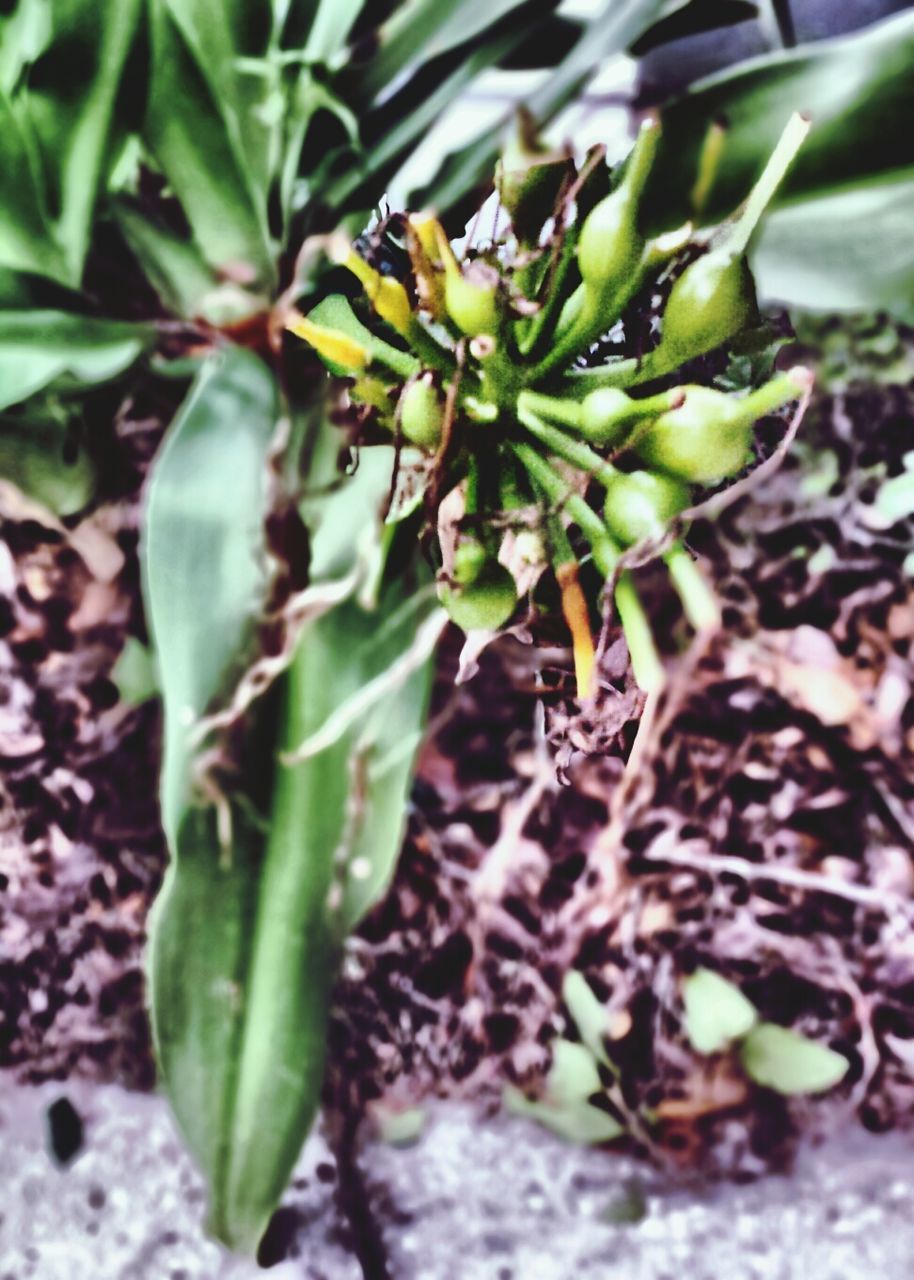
765 831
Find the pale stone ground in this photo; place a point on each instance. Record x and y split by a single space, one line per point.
493 1199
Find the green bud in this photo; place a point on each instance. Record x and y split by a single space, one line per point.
705 440
422 414
610 244
471 297
484 604
711 302
528 178
640 504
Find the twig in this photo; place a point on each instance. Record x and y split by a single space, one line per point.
688 854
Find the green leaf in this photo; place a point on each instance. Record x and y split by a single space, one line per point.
421 30
336 312
399 1127
330 26
853 88
202 550
588 1013
27 241
193 131
38 455
73 103
895 497
267 876
716 1011
579 1123
172 264
791 1063
692 18
573 1079
40 349
135 673
24 33
850 251
464 171
822 246
573 1076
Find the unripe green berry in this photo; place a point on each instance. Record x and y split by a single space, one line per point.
470 557
471 298
705 440
422 414
640 504
485 604
610 243
604 414
711 302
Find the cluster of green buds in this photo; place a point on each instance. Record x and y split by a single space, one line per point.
476 363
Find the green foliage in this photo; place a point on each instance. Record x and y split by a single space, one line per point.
790 1063
39 454
587 1013
716 1011
274 859
53 350
565 1108
717 1015
839 236
718 1019
199 146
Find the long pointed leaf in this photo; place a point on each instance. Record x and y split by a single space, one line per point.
193 132
855 89
464 171
247 930
72 100
40 349
27 241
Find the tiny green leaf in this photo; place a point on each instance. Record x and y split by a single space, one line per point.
588 1013
790 1063
135 673
573 1076
399 1128
716 1011
895 499
578 1122
35 455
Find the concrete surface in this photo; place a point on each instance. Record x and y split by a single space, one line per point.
474 1199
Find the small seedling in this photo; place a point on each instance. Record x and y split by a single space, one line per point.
718 1016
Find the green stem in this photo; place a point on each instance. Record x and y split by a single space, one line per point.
698 600
573 451
561 495
621 373
432 353
645 659
543 323
764 190
567 412
778 392
646 662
